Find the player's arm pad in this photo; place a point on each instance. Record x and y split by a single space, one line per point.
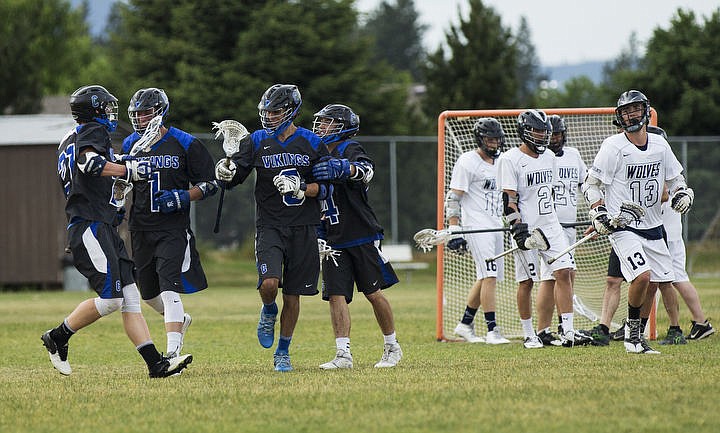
364 171
676 183
592 189
91 163
207 188
452 205
512 215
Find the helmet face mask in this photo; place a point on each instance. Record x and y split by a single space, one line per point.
278 107
94 103
559 134
489 128
535 130
633 111
145 105
335 122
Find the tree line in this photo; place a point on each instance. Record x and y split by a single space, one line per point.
215 58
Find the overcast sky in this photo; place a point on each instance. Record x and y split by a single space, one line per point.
563 31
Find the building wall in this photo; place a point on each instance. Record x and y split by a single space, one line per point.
32 218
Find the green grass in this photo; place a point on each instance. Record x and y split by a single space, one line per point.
438 387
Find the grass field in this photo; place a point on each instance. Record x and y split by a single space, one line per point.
438 387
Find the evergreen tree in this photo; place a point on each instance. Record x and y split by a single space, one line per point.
478 70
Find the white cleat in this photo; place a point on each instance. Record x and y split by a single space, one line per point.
496 337
343 359
392 354
533 342
467 333
58 355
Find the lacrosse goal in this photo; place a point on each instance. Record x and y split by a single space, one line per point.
586 130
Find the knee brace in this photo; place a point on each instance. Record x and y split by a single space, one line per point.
107 306
174 311
131 299
157 304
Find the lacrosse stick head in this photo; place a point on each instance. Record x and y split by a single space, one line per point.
629 213
426 239
537 241
152 135
232 132
121 188
327 252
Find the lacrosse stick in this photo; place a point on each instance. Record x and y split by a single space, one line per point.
232 132
122 187
327 252
536 241
426 239
583 309
576 224
629 212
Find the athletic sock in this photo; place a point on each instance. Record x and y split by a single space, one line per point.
633 312
527 327
605 330
62 333
149 353
283 345
343 343
490 320
469 315
390 338
270 308
173 341
567 322
643 324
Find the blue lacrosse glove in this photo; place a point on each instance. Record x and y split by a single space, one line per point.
119 217
331 169
175 200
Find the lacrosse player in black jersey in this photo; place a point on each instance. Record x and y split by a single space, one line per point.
351 227
163 244
287 211
86 170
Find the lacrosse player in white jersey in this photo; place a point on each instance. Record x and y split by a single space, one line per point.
634 166
527 175
475 200
571 171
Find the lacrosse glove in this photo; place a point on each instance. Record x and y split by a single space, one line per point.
119 217
682 200
600 219
139 169
331 169
520 233
292 185
457 243
175 200
224 172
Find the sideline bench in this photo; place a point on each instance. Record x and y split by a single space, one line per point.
400 256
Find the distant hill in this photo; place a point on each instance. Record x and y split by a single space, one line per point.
562 73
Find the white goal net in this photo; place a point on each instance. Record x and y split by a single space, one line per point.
586 130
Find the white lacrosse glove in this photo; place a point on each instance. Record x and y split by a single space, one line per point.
457 243
225 172
139 170
682 200
600 219
290 185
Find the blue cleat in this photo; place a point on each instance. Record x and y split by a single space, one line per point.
282 362
266 329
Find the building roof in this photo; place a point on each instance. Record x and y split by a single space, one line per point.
43 129
34 128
